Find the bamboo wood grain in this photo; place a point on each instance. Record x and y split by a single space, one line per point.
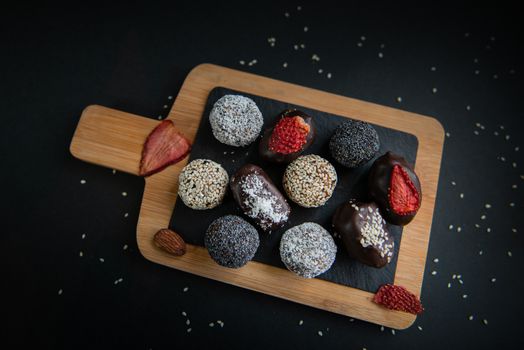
114 139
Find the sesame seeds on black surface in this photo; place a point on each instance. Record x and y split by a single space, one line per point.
354 143
231 241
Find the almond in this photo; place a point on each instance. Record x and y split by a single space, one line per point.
170 241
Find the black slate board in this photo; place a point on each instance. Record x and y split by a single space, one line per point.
192 224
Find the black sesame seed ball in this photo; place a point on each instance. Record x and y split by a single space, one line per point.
231 241
354 143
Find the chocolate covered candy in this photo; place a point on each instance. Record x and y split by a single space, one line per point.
259 198
395 187
364 233
292 133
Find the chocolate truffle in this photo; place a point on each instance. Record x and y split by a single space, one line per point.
292 133
395 187
307 249
364 233
202 184
310 180
236 120
258 197
354 143
231 241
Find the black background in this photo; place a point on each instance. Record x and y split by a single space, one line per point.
351 183
54 61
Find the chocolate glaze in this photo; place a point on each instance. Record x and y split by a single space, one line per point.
269 155
379 182
252 190
348 224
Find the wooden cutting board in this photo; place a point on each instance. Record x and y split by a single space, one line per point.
114 139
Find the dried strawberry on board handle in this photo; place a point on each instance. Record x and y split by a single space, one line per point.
164 146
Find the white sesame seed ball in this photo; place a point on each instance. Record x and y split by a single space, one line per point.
307 249
310 181
236 120
202 184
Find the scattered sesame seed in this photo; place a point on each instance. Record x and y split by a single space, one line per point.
485 321
126 215
434 90
450 227
302 46
493 280
185 289
211 324
113 171
159 117
502 158
460 281
188 322
496 133
300 323
399 99
514 186
284 64
448 134
351 320
189 330
433 273
459 276
320 333
60 291
328 75
517 149
511 204
299 8
83 235
481 252
165 106
320 71
419 328
453 183
495 76
507 137
466 35
306 29
454 276
449 284
169 97
81 254
468 108
514 164
380 55
83 182
477 225
101 260
483 217
315 57
459 228
487 206
382 46
220 323
242 62
477 72
382 328
286 14
118 281
433 69
488 229
435 260
359 44
393 331
125 247
124 194
470 317
476 132
461 195
510 254
464 296
184 313
514 230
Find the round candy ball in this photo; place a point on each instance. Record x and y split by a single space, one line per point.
236 120
310 181
354 143
202 184
231 241
307 249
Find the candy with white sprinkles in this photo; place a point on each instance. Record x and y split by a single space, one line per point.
202 184
307 250
236 120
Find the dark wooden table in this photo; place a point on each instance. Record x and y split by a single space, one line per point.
72 274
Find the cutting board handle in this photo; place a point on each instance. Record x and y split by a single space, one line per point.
111 138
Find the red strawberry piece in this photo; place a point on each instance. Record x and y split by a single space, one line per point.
289 135
404 197
163 147
398 298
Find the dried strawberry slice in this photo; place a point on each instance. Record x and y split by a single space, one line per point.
398 298
164 146
289 135
404 197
